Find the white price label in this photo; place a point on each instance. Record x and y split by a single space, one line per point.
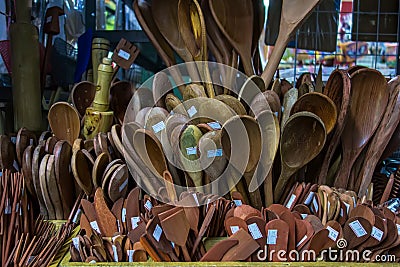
95 226
234 229
148 205
272 235
119 226
398 229
357 228
157 233
125 55
214 153
77 216
135 222
7 209
49 19
341 212
304 215
254 231
75 241
191 150
130 255
315 205
192 111
237 202
158 127
123 215
347 207
377 233
291 201
114 248
123 185
309 198
215 125
196 199
302 240
333 234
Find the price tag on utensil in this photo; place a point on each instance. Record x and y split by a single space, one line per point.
75 241
192 111
215 125
301 241
291 201
333 234
125 55
196 199
158 126
191 150
398 229
309 198
304 215
77 216
347 206
272 235
315 204
157 233
130 255
357 228
237 202
119 225
135 222
254 231
123 215
114 248
148 205
377 233
123 185
214 153
234 229
95 226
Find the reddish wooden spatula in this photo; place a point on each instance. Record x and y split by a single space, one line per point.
247 246
106 220
217 252
277 237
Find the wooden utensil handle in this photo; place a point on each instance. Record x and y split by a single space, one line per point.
273 61
186 253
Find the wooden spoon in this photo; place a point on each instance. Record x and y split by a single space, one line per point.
64 121
293 155
120 96
98 170
82 96
292 15
44 190
24 139
235 20
369 89
81 170
320 105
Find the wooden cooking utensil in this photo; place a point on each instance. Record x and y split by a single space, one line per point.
24 139
161 87
258 103
27 158
247 246
338 89
380 140
235 20
165 24
188 142
118 185
65 181
50 144
81 170
321 241
105 219
82 96
298 131
98 170
121 93
288 101
38 154
233 224
64 121
292 16
217 252
176 229
356 230
44 190
320 105
7 152
277 232
155 120
192 27
369 89
53 189
158 239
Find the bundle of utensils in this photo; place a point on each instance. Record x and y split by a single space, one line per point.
26 240
134 227
139 227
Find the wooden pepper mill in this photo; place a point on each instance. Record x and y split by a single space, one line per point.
98 117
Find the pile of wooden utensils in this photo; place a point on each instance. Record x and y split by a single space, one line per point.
315 218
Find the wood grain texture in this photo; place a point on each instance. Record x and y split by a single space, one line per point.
64 121
338 89
381 138
369 99
105 219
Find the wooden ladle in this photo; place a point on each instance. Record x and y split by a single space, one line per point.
293 14
369 90
303 137
320 105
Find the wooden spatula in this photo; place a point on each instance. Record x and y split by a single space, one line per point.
247 246
64 121
277 232
106 220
